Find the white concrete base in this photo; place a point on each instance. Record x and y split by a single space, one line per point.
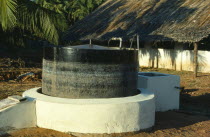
163 86
114 115
20 115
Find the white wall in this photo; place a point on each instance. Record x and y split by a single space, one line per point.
176 59
113 115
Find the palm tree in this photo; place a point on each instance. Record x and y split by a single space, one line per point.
45 19
73 10
32 18
81 8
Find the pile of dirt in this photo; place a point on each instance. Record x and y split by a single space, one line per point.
11 63
7 74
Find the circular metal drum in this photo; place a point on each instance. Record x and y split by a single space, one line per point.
89 72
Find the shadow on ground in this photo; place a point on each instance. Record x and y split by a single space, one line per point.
196 103
170 119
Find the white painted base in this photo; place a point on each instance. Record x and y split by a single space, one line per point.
163 86
20 115
114 115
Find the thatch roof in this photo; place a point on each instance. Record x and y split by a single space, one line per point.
177 20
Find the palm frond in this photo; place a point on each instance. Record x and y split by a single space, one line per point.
7 13
39 20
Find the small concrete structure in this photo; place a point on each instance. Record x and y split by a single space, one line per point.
94 116
16 115
111 115
165 88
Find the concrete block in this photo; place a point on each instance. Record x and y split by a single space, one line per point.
163 86
18 115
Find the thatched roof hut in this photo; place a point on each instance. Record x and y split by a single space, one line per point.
152 20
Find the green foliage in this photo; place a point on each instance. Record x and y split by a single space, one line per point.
40 21
31 18
45 19
7 13
73 10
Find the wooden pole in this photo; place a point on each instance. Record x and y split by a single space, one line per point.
137 41
90 42
195 63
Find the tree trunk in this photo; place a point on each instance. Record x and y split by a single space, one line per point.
195 63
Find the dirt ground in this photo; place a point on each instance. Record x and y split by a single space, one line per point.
192 120
10 86
168 124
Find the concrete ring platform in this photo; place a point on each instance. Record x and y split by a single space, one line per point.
94 116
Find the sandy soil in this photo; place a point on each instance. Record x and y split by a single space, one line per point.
173 124
36 132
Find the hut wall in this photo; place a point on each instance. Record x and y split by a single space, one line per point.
176 59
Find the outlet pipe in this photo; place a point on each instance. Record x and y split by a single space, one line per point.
116 38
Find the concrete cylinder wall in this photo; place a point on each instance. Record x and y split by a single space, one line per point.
95 116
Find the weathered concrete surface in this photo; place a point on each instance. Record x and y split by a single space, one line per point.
83 72
163 86
4 103
19 115
113 115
